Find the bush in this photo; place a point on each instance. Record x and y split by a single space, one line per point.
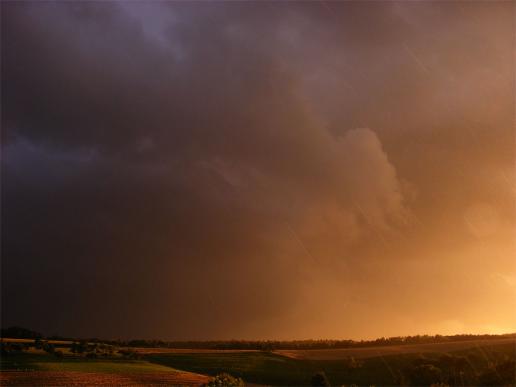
500 374
225 380
11 348
79 347
38 344
47 347
352 364
425 375
319 379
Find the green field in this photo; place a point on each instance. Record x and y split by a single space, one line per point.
253 367
474 365
270 368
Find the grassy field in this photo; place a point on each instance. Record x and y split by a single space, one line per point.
151 351
35 368
75 378
458 363
388 368
49 363
254 367
367 352
269 368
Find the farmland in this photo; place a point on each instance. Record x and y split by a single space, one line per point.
67 378
467 362
368 352
36 368
381 366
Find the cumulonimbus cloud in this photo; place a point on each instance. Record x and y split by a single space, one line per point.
236 156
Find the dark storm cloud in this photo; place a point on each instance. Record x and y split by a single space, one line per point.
205 170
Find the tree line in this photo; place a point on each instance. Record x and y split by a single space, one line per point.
263 345
269 345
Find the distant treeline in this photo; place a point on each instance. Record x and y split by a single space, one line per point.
269 345
20 333
263 345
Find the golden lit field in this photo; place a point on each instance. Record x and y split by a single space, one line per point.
75 378
368 352
35 367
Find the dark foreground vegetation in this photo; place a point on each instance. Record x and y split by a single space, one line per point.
489 365
487 361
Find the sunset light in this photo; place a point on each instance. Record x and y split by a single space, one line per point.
273 177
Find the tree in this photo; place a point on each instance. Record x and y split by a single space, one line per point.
319 379
20 333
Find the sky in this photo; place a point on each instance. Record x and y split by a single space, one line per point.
258 170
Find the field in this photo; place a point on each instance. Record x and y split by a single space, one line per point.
151 351
370 366
75 378
40 369
367 352
459 363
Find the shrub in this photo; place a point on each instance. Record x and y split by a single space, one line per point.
49 348
319 379
501 373
38 344
225 380
79 347
10 348
351 363
425 375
